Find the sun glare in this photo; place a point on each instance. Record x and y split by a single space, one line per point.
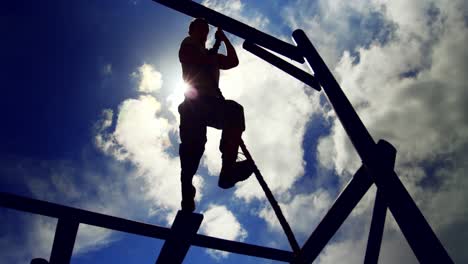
179 90
178 94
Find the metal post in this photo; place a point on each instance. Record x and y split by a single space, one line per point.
387 155
425 244
340 210
183 230
284 224
376 230
64 240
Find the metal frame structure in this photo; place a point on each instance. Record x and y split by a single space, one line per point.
377 168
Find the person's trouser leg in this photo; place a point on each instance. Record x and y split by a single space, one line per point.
233 125
193 139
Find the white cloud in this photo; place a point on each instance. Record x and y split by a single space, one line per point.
220 222
142 137
236 9
303 212
150 80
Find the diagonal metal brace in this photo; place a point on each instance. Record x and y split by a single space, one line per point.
283 65
340 210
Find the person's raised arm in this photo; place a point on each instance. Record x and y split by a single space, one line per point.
229 60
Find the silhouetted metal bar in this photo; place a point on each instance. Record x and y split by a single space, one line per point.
110 222
39 261
340 210
235 27
422 240
64 240
376 230
281 64
284 224
86 217
387 154
351 122
425 244
183 230
242 248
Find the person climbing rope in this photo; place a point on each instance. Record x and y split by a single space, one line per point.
204 105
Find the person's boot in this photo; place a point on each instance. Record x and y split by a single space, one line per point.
236 172
226 176
188 198
243 170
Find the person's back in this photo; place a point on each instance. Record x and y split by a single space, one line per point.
203 77
205 106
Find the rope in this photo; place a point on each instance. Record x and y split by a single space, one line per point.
284 224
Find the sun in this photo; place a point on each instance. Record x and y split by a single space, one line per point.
177 95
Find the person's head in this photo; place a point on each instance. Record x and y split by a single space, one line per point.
199 29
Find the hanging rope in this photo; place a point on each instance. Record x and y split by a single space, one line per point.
284 224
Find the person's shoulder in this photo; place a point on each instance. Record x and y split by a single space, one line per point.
188 41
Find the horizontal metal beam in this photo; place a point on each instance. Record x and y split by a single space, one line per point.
194 9
111 222
283 65
340 210
242 248
82 216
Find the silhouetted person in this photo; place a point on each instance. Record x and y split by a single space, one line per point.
204 105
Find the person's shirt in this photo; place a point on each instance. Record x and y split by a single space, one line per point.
203 77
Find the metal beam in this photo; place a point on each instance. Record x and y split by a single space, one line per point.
387 154
110 222
376 230
64 241
183 230
235 27
425 244
242 248
82 216
340 210
350 120
283 65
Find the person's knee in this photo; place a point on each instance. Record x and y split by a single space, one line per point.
191 149
235 114
234 107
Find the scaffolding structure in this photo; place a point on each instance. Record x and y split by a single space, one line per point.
378 160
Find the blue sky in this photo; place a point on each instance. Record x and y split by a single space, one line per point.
90 92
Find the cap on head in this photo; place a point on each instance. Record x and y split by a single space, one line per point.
197 24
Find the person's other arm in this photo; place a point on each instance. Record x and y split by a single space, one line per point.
229 60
